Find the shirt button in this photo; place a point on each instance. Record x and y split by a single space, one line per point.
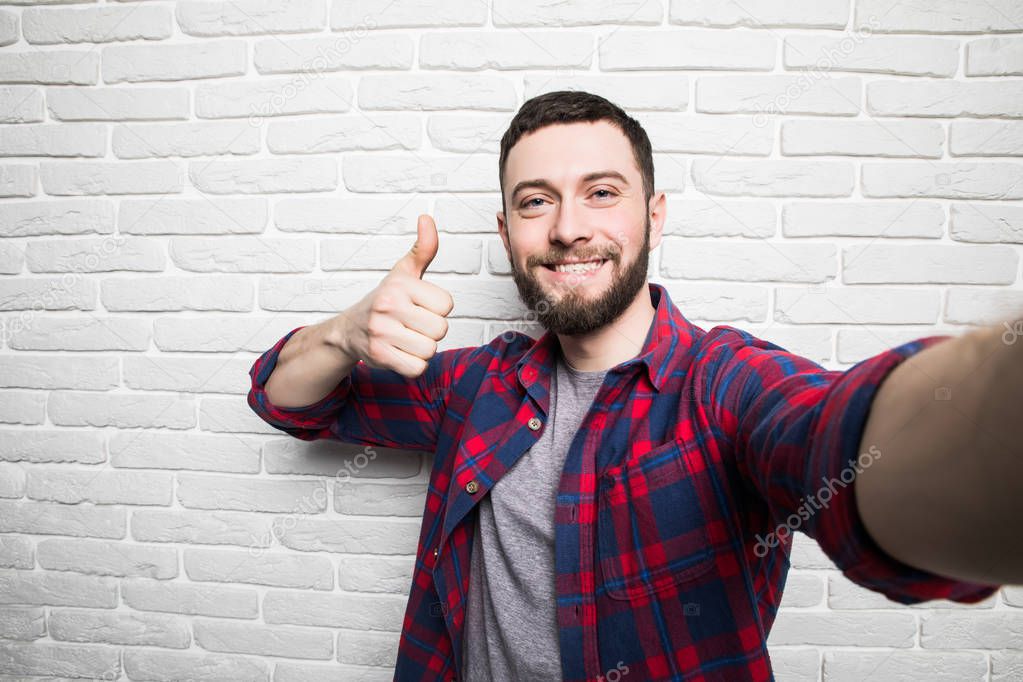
534 423
472 486
436 550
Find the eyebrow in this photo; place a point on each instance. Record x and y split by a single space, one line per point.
543 183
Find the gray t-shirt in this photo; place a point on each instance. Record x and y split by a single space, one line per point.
511 629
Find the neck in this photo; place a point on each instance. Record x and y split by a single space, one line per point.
614 343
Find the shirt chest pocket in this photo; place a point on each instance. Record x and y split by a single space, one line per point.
651 529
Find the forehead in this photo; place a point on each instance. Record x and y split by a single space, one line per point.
564 151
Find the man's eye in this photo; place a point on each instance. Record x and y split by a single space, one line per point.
607 191
528 203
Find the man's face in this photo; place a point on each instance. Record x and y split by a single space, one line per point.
577 214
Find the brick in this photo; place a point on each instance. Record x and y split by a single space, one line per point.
986 138
435 91
46 293
51 445
951 180
52 518
18 180
856 305
184 451
893 55
197 600
135 629
118 104
166 666
713 218
250 17
57 659
687 49
259 568
84 334
514 50
806 137
74 486
66 178
202 527
95 24
86 408
66 139
508 13
258 176
847 666
459 255
185 139
102 557
633 92
406 14
760 13
945 99
95 372
929 264
57 67
268 97
986 222
699 134
778 94
20 104
205 59
863 219
90 254
177 293
207 491
748 262
339 52
209 215
188 375
344 133
246 638
938 16
996 56
243 254
773 178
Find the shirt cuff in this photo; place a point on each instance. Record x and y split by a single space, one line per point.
834 464
306 422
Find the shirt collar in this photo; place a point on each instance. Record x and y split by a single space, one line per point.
670 336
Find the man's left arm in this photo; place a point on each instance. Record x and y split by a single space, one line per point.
947 494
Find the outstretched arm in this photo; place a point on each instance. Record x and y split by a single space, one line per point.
947 493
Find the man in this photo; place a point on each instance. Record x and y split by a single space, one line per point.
617 498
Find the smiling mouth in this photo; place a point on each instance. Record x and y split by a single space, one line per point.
585 266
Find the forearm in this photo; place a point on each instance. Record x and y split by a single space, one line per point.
310 365
946 492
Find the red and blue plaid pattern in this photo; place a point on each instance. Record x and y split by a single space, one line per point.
692 452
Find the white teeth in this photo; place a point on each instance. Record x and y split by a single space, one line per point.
579 267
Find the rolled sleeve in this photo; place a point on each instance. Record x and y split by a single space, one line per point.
840 531
795 429
308 422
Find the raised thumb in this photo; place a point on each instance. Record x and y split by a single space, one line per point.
423 250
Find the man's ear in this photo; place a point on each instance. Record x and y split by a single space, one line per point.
502 229
658 212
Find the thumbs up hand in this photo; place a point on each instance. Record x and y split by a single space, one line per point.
398 324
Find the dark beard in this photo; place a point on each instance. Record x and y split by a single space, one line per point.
574 314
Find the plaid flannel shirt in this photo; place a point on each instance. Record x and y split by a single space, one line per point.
693 453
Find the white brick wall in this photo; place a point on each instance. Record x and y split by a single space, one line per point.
181 183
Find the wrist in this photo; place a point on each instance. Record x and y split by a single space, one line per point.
336 334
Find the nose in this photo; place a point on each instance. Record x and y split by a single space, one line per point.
569 224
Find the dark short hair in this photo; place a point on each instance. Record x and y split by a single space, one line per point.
571 106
